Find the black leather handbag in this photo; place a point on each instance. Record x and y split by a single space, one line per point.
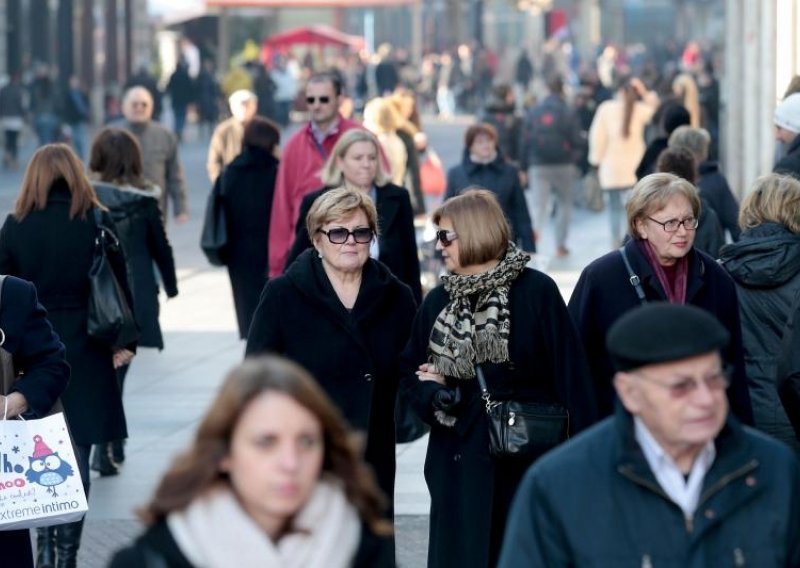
111 320
214 236
522 430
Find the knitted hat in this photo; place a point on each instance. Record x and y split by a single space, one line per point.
40 449
787 113
660 332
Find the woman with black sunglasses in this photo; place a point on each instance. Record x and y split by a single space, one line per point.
510 320
355 163
345 317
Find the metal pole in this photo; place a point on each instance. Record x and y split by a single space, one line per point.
223 34
65 51
416 32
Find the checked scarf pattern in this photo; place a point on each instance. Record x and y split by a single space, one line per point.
462 336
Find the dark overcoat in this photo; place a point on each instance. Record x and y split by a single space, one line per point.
39 355
158 546
55 253
765 264
353 355
604 293
596 502
246 188
502 179
140 229
397 243
471 491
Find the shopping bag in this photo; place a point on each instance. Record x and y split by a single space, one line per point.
40 484
431 173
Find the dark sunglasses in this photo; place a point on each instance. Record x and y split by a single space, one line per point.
446 237
339 236
322 100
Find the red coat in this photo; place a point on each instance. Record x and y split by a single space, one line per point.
298 174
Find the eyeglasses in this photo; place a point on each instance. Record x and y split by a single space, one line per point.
446 237
322 100
680 389
339 236
690 224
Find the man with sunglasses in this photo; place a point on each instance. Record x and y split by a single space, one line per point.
672 478
301 162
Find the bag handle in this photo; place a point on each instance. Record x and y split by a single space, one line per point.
485 395
634 279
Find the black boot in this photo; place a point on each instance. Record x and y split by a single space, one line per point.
68 540
101 461
118 451
46 547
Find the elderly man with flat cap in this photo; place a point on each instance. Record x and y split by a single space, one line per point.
671 479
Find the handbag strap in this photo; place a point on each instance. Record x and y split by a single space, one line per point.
2 332
485 395
634 279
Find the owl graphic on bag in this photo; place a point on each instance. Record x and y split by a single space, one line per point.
46 467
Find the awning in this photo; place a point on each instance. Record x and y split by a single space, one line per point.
314 35
308 3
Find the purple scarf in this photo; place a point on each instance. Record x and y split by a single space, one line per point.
676 293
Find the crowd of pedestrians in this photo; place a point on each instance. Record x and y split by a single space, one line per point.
649 365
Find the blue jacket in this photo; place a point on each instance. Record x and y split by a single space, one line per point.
603 293
502 179
595 502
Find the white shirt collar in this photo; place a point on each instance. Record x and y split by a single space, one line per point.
684 492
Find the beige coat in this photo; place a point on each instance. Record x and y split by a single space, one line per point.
616 156
226 144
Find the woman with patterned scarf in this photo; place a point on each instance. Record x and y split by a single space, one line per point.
511 320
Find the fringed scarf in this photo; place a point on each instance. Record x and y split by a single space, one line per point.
674 289
463 336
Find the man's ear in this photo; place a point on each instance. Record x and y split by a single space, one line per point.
627 388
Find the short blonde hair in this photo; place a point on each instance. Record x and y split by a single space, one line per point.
337 204
478 220
696 140
332 175
774 198
651 194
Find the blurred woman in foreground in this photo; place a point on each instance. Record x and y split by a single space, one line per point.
272 479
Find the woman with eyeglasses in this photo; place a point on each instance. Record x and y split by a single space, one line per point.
511 320
658 264
345 317
765 265
355 163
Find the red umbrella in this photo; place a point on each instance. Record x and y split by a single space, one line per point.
314 35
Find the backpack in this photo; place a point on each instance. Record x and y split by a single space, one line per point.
547 139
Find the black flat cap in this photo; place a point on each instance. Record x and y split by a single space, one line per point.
660 332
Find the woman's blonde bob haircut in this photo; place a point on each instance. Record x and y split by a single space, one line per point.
335 205
49 164
651 194
332 175
478 220
774 199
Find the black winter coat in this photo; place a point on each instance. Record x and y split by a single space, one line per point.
157 548
55 253
648 164
397 243
412 180
471 492
765 264
714 188
39 355
502 179
352 354
595 502
604 293
246 187
140 229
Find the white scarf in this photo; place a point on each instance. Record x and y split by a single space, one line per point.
215 532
